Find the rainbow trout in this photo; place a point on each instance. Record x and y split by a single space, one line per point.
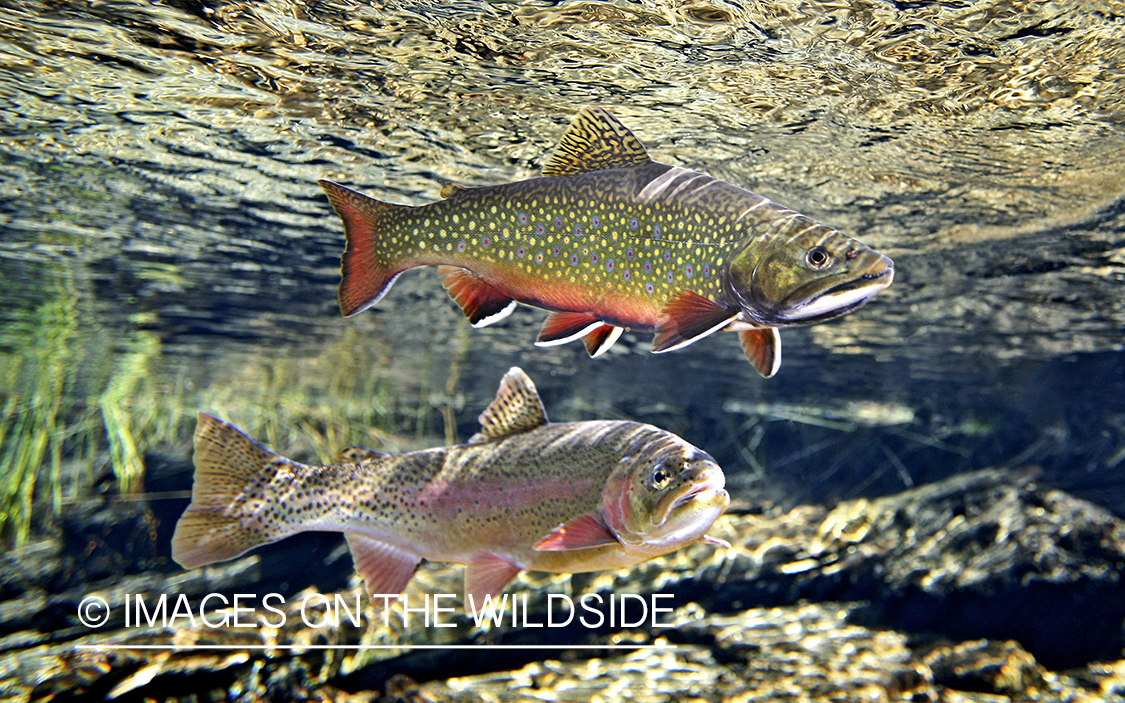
609 239
524 493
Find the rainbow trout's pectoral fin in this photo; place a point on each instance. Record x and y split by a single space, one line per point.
486 575
354 455
582 532
383 568
601 339
595 141
516 408
689 317
708 539
482 303
563 327
762 346
364 276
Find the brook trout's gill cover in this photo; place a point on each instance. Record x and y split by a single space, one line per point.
609 239
523 493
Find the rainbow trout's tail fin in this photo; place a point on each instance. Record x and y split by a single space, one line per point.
227 462
365 277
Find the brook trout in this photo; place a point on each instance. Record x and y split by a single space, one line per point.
524 493
609 239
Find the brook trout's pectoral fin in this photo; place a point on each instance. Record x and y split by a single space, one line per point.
383 568
365 277
582 532
762 347
482 303
486 575
601 339
516 408
563 327
354 455
595 141
687 318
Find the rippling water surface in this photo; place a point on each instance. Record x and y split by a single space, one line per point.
165 248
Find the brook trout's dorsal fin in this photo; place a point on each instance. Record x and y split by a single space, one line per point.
450 189
594 141
517 408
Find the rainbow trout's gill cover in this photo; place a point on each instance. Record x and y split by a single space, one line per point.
609 239
523 493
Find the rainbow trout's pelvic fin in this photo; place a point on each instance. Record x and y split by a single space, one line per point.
601 339
516 408
582 532
762 346
486 575
595 141
481 303
689 317
385 570
365 278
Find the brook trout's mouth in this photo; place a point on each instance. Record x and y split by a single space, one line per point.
845 297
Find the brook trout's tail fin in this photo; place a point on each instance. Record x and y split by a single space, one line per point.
226 461
366 277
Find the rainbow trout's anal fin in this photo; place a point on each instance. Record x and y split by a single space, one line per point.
762 346
689 317
365 276
481 303
226 462
595 141
385 569
601 339
486 575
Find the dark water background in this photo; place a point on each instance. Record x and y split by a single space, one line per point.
164 247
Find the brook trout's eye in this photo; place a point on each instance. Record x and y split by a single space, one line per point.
817 258
660 476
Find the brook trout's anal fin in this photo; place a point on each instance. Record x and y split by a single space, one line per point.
383 568
482 303
486 575
689 317
582 532
226 461
762 347
365 277
595 141
601 339
516 408
563 327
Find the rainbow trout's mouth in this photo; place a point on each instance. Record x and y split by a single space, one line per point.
713 483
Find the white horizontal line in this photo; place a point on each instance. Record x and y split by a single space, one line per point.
373 646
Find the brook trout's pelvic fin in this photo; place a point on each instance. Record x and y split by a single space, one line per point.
595 141
365 278
226 461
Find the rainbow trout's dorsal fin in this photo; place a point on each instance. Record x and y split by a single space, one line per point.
517 408
595 141
354 455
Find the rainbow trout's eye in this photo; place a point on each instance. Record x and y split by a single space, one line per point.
659 476
817 258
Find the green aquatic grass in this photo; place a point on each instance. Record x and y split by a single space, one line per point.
36 380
